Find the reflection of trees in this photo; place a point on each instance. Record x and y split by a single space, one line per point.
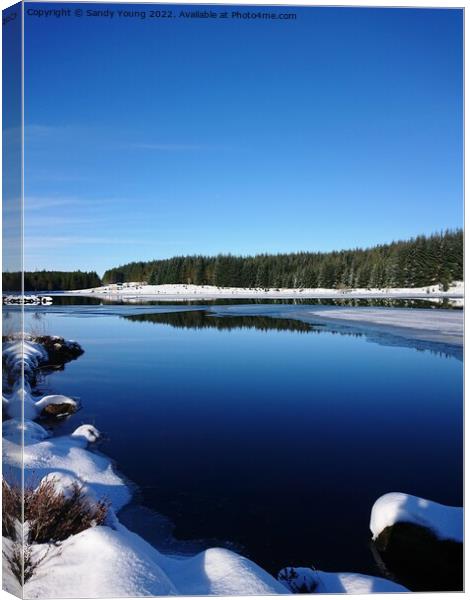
200 319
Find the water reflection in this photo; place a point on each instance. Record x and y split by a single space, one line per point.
201 319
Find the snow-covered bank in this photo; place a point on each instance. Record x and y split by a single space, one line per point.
135 290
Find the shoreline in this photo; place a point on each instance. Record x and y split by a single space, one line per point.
134 290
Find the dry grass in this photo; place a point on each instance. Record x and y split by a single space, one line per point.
11 509
22 563
52 517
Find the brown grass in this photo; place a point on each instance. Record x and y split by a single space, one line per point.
22 563
11 508
52 517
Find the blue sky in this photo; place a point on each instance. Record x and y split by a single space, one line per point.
156 137
11 114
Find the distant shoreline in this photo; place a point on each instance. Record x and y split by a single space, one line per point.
130 291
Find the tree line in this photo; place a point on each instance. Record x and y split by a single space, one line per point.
48 281
420 261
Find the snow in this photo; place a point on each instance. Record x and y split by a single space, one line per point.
67 454
445 521
55 399
223 573
103 562
98 563
302 579
136 290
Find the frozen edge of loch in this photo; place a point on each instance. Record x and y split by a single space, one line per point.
439 330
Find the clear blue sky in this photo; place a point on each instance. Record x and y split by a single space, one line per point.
151 138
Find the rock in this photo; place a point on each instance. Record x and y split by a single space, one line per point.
58 410
59 350
416 557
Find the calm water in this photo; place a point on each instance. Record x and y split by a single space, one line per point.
271 436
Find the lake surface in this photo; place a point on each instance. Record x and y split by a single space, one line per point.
268 436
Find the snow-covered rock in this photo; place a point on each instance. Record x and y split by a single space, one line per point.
22 404
419 542
445 521
21 359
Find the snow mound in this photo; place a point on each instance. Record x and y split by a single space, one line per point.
104 562
97 563
68 455
445 521
218 571
305 580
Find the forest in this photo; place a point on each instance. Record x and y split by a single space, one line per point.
42 281
420 261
